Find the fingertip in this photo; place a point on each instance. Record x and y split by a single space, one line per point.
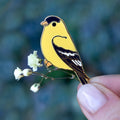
105 78
111 82
97 102
79 86
89 94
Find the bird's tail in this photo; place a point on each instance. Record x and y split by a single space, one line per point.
83 78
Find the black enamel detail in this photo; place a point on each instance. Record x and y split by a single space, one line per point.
54 24
51 19
68 60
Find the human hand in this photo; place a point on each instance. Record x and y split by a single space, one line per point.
100 99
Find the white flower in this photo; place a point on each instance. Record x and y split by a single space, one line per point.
35 87
34 61
18 73
27 72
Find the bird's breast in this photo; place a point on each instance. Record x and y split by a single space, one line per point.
50 54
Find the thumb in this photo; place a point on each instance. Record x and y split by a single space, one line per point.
98 102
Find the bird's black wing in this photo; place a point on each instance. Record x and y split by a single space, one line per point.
72 59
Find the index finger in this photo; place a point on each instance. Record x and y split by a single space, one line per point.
111 82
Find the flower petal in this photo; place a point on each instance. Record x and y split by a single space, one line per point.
35 87
18 73
34 61
27 72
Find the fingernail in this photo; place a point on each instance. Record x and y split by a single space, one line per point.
91 98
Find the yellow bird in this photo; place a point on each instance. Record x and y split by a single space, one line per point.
59 49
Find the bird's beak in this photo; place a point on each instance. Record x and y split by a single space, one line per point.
44 23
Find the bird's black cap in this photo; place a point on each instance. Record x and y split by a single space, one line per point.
52 18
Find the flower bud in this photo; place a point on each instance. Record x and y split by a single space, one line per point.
35 87
18 73
27 72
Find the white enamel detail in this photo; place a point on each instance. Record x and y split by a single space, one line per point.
67 54
77 62
74 62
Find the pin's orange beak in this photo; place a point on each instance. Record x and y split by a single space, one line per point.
44 23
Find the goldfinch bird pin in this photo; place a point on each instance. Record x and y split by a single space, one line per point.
59 49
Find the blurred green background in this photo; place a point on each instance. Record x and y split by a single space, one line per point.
95 27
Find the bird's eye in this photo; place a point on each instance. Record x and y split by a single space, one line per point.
54 24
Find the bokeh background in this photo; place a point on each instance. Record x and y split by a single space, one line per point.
95 27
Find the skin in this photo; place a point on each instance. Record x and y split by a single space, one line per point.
109 85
